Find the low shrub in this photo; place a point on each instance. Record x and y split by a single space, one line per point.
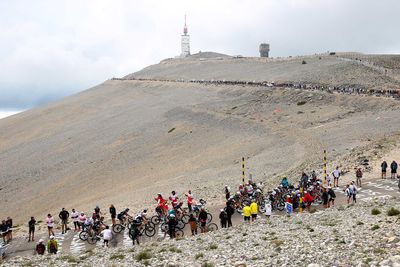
393 212
375 211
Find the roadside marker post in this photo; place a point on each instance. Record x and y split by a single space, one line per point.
243 170
324 167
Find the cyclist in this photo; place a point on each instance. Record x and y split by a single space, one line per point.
189 200
173 198
285 182
172 225
203 219
122 216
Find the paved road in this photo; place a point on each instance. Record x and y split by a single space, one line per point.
70 242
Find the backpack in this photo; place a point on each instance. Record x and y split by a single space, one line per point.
359 173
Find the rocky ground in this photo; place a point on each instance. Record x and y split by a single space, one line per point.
340 236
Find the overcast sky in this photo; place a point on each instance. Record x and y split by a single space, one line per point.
50 49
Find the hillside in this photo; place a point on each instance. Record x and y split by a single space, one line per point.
123 141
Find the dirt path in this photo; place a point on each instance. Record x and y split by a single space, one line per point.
71 244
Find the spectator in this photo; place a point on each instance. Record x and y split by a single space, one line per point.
325 197
246 212
75 219
393 169
203 219
82 219
193 224
113 213
336 174
40 247
63 215
4 231
50 224
107 235
9 223
384 166
253 210
359 175
229 212
332 196
52 245
223 217
31 226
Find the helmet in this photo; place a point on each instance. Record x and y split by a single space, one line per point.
51 237
222 210
172 215
41 240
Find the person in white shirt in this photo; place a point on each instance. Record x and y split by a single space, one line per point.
354 191
75 219
50 224
107 236
336 175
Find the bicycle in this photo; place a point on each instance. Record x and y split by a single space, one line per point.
210 227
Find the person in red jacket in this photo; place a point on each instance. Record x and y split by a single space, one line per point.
307 199
160 203
189 200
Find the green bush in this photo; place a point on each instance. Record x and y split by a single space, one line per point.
393 212
117 257
143 255
198 256
207 264
213 246
375 211
375 227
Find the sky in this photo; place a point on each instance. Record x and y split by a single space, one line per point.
50 49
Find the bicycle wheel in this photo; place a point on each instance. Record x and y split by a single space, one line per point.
150 232
92 239
185 219
117 228
212 227
180 225
149 224
164 227
83 235
209 217
155 220
179 233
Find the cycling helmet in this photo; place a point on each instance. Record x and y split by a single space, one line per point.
172 215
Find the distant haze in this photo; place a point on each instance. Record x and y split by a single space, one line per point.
50 49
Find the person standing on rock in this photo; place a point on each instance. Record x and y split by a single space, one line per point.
64 215
336 175
50 224
31 226
223 218
393 169
359 175
246 212
384 166
113 213
229 213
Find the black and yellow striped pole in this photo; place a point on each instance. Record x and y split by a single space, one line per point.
243 170
324 167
